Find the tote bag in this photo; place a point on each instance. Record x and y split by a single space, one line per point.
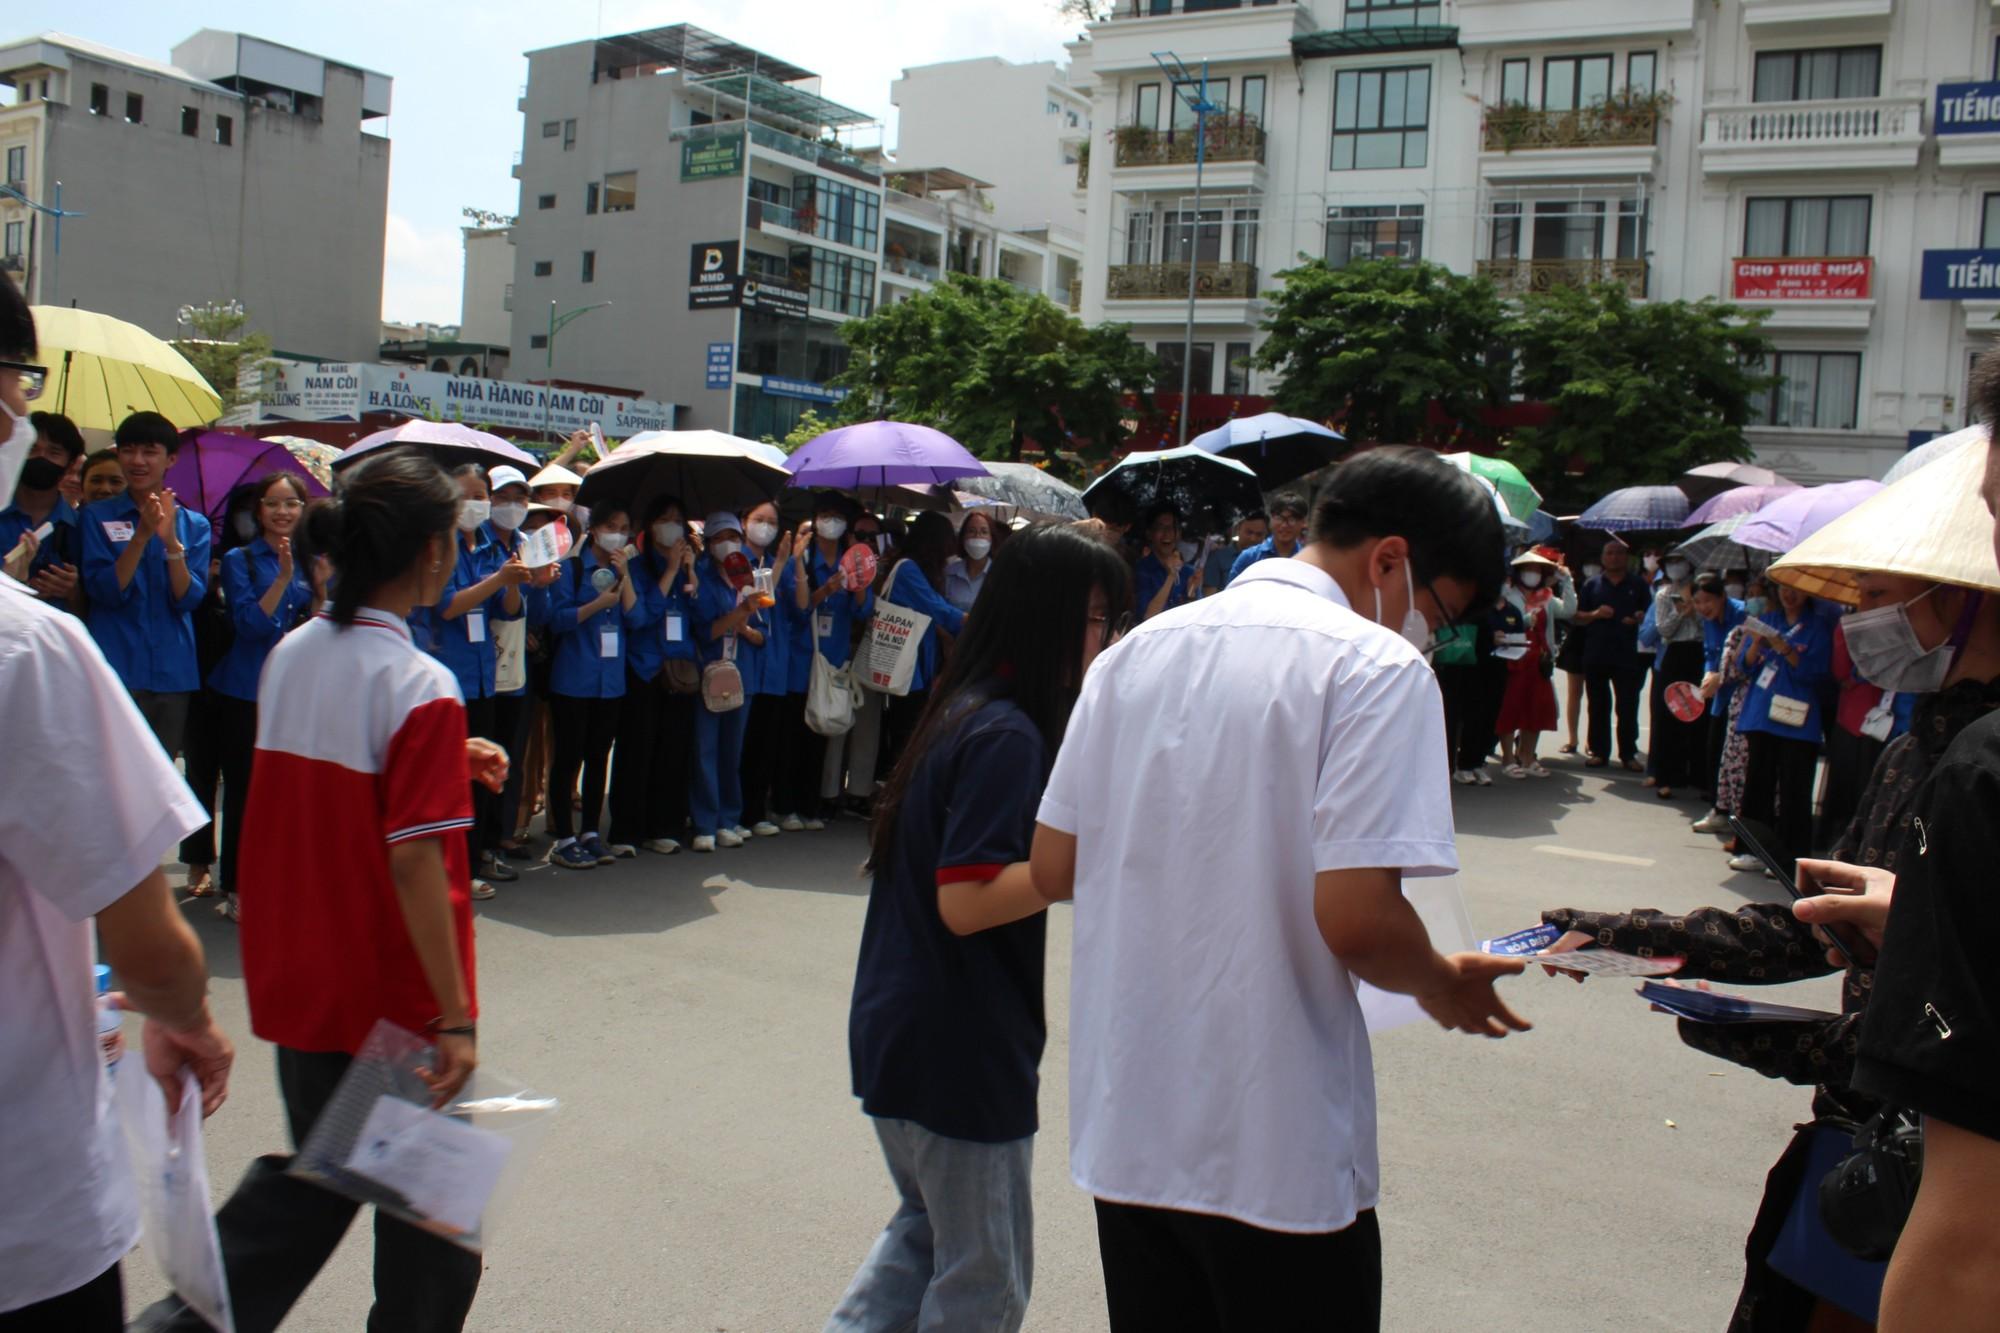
830 702
894 637
510 655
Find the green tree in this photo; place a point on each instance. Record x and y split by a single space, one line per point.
221 350
1641 391
809 425
1372 345
993 366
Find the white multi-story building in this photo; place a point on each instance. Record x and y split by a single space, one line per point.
1019 127
1833 162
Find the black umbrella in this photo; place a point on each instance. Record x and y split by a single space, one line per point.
1207 490
704 469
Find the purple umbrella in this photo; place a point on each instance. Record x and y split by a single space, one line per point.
212 463
881 453
446 441
1742 500
1790 519
1638 509
1711 479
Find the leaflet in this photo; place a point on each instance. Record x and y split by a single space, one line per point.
444 1167
1530 945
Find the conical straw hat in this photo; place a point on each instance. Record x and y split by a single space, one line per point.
1933 524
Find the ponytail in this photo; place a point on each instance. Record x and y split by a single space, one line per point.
386 511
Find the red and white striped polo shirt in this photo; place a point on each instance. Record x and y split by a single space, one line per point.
360 745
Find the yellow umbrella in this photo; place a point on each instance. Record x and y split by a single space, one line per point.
101 370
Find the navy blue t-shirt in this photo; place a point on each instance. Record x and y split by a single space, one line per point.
946 1030
1613 643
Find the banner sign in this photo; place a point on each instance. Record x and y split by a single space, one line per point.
712 159
346 391
818 393
1961 275
780 298
721 365
1803 279
712 280
1967 108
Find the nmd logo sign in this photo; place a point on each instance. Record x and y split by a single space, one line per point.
713 261
712 274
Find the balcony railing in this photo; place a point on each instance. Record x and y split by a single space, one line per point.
1518 277
1075 295
1140 9
1835 123
1508 128
1168 282
912 267
1228 141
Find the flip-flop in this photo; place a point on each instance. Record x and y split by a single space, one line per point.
1568 747
1597 763
1632 766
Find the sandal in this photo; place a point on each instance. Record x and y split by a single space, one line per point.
1535 770
1567 747
1596 762
1515 771
1632 766
1664 793
203 887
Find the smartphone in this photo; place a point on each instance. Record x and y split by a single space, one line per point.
1758 840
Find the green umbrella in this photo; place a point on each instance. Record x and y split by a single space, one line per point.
1516 492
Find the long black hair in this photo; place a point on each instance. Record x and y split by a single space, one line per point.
388 509
930 542
1023 641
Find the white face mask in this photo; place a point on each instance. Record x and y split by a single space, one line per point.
1888 654
1414 628
560 504
14 452
1530 578
761 534
1678 570
610 542
471 513
831 529
510 516
1733 590
669 534
723 547
977 547
1652 564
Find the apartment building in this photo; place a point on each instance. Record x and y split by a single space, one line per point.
1831 162
1020 127
650 150
242 170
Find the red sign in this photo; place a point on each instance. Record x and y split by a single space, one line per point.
1803 279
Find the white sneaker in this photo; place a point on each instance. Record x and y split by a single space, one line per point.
1712 822
764 828
741 832
624 851
724 838
1463 777
1480 776
704 843
815 825
1745 862
792 824
664 846
482 890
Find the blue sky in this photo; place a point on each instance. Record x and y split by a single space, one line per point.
459 68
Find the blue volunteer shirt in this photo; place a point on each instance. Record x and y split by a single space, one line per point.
144 631
1714 634
1148 575
909 588
64 545
829 626
247 574
948 1030
1264 550
662 628
766 667
1773 676
465 643
589 659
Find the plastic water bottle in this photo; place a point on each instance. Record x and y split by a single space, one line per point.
110 1022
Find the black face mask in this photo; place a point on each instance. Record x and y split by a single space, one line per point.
39 474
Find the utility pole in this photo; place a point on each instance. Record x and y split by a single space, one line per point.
557 323
1181 80
53 210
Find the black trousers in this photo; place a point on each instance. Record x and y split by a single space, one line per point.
801 755
237 725
1472 695
898 723
98 1306
1167 1271
1677 751
1778 789
761 734
201 752
1602 685
580 736
649 766
1850 761
484 835
510 732
277 1232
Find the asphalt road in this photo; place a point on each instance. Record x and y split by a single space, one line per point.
710 1172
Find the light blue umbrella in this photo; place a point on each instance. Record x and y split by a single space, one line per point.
1276 447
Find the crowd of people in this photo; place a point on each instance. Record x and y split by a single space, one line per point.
391 665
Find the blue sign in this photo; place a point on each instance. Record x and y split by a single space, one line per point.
721 365
1967 108
806 389
1919 437
1961 275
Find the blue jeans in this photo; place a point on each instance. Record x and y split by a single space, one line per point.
959 1253
715 799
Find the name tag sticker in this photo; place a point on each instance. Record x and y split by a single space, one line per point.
823 624
475 627
1767 677
117 530
672 629
607 643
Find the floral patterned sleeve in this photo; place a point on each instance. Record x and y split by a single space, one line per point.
1760 944
1808 1054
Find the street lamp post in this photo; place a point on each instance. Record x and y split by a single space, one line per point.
557 323
53 210
1180 80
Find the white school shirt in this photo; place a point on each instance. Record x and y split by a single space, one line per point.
1218 1058
88 805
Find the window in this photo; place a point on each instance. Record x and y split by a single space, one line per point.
1381 118
551 128
1569 229
191 122
1633 221
834 211
841 283
621 191
1641 73
225 131
1391 13
1187 238
569 135
1243 224
1989 220
1072 120
774 268
1139 238
590 197
1374 231
1831 226
589 266
1171 359
1513 83
135 109
1572 82
544 267
12 249
1146 108
1806 76
1820 389
1250 109
1052 109
770 192
17 164
100 100
1187 94
538 341
1236 368
545 201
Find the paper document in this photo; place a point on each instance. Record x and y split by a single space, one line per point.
1528 946
1440 906
443 1166
172 1173
1713 1006
545 545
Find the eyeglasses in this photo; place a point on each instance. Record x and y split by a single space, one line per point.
283 504
33 378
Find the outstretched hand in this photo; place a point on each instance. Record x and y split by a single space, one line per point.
1466 1001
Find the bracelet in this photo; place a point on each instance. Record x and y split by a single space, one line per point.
463 1030
176 555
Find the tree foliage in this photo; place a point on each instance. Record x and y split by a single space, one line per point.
809 425
993 366
1372 345
1640 391
221 350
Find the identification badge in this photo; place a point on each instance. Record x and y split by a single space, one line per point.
1523 943
607 643
672 629
475 627
1767 677
823 624
117 531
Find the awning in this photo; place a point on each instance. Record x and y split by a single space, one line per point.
1372 41
696 50
781 101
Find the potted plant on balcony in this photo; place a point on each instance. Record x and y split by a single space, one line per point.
1510 125
1135 141
1629 117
